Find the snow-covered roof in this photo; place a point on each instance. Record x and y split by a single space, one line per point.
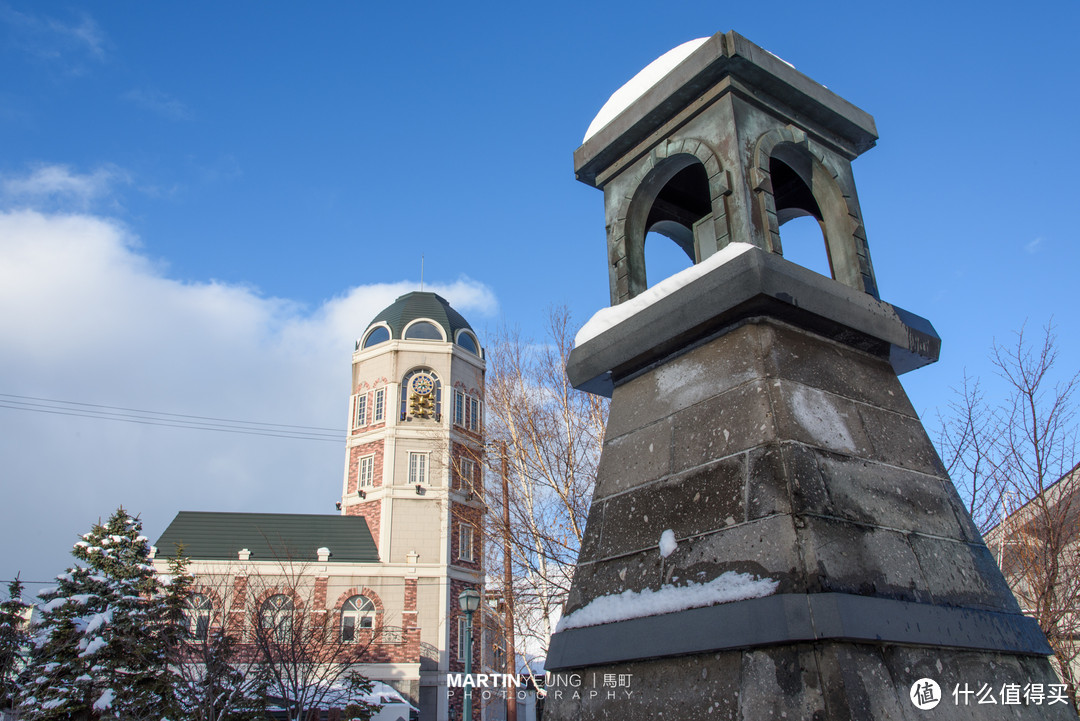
637 86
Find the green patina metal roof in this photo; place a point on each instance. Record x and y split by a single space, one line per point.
269 537
420 304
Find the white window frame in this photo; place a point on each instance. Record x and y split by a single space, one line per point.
362 615
379 414
359 414
468 473
459 408
465 531
418 467
365 471
473 413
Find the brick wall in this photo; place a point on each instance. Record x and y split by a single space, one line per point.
461 514
371 512
355 454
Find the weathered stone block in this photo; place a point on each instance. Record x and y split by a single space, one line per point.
634 572
881 495
962 574
729 423
781 682
851 558
691 503
634 458
695 376
768 490
766 548
833 367
900 441
856 683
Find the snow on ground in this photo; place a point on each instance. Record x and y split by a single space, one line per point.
724 588
608 317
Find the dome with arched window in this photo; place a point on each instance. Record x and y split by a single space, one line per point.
420 316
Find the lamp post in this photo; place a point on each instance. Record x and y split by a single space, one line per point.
469 599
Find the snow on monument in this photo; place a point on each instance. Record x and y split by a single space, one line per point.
772 533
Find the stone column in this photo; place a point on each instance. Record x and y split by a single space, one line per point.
757 415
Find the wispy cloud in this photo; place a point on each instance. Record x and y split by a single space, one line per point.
1033 246
158 102
53 186
70 43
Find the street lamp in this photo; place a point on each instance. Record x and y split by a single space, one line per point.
469 599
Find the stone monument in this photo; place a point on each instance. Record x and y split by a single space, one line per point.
772 533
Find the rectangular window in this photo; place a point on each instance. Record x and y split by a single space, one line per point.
459 408
473 414
468 473
360 410
380 406
461 641
418 467
348 628
465 542
365 474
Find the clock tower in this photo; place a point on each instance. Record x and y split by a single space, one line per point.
412 466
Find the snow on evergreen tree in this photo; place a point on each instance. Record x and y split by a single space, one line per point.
99 646
13 642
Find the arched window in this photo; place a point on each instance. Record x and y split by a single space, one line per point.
357 613
197 616
423 330
673 201
803 240
276 618
378 334
421 395
466 340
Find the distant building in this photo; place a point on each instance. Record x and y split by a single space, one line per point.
408 537
1038 548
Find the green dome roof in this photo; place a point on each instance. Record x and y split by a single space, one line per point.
420 304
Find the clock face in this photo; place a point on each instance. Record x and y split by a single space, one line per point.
423 385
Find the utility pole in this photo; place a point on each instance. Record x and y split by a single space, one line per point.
508 590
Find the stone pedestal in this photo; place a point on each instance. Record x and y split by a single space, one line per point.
757 414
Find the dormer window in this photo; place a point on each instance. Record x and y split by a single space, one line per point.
468 342
378 334
423 330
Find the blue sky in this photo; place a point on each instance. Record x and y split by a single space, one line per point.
201 204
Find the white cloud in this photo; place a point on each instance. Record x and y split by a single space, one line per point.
85 317
1033 246
55 40
58 185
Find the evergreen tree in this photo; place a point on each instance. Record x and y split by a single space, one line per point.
99 647
13 642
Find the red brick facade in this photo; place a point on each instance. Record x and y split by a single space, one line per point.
372 513
461 514
460 452
355 454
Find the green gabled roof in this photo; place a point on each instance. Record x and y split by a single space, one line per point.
269 537
420 304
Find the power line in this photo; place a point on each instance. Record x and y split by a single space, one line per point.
168 420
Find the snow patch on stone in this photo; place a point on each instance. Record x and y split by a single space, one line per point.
668 544
606 318
727 587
